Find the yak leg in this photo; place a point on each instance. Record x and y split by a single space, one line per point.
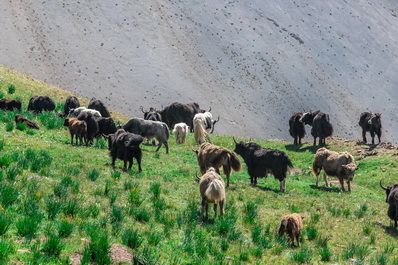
342 183
130 163
364 135
295 140
139 164
215 210
379 135
325 177
298 238
222 209
159 145
372 134
227 172
113 161
207 210
71 138
203 206
349 185
314 140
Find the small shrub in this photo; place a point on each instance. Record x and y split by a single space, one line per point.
6 249
52 246
93 175
303 255
132 238
11 89
65 229
5 222
251 213
21 126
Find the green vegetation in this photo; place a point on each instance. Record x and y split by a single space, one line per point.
57 200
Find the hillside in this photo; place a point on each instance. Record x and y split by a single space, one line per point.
62 204
254 63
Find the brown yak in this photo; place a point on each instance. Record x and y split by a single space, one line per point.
292 224
212 190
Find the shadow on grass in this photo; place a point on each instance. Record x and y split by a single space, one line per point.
298 148
323 188
392 231
268 189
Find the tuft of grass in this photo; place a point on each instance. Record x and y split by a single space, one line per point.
141 214
312 232
50 120
388 248
116 215
53 246
357 250
12 172
97 250
71 207
325 253
2 144
251 212
360 212
64 229
11 89
6 249
135 197
9 194
53 206
5 222
21 126
303 255
154 238
5 161
93 174
38 159
116 174
27 226
132 238
156 189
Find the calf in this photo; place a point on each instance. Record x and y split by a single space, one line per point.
296 127
261 161
392 200
180 132
125 146
292 224
210 155
340 165
212 190
10 104
21 119
149 129
78 129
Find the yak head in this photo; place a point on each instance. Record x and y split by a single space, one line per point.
349 171
307 118
375 120
388 189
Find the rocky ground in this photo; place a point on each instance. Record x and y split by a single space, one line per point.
254 63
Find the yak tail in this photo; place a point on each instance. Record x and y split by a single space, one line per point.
235 162
167 130
215 192
288 164
315 169
327 128
199 132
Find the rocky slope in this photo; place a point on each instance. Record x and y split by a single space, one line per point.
254 62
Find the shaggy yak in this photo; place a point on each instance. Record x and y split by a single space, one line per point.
212 190
21 119
125 146
71 102
321 126
292 224
296 127
150 129
261 161
76 128
76 112
180 132
92 125
106 126
210 155
97 104
41 103
10 104
200 123
370 123
340 165
392 200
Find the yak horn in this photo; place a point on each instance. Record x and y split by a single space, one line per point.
209 109
142 109
234 140
384 188
196 175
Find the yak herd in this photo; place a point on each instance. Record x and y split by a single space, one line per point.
124 141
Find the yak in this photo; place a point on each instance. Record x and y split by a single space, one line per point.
10 104
78 129
392 200
180 132
340 165
179 112
321 126
152 114
125 146
296 127
149 129
261 161
97 104
210 155
41 103
21 119
106 126
292 224
212 190
92 126
370 123
71 102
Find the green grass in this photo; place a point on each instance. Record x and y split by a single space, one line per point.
45 182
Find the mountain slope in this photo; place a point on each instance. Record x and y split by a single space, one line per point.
254 63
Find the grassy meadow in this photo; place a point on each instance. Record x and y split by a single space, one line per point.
63 204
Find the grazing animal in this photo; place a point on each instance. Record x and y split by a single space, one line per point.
76 112
125 146
370 123
106 126
340 165
212 190
98 105
179 112
78 129
152 115
392 200
150 129
71 102
296 127
10 104
180 132
210 155
21 119
292 225
261 161
200 123
92 126
321 126
41 103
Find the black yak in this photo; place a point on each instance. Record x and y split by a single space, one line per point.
125 146
321 126
92 125
97 104
296 127
261 161
41 103
10 104
370 123
71 102
392 200
106 126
